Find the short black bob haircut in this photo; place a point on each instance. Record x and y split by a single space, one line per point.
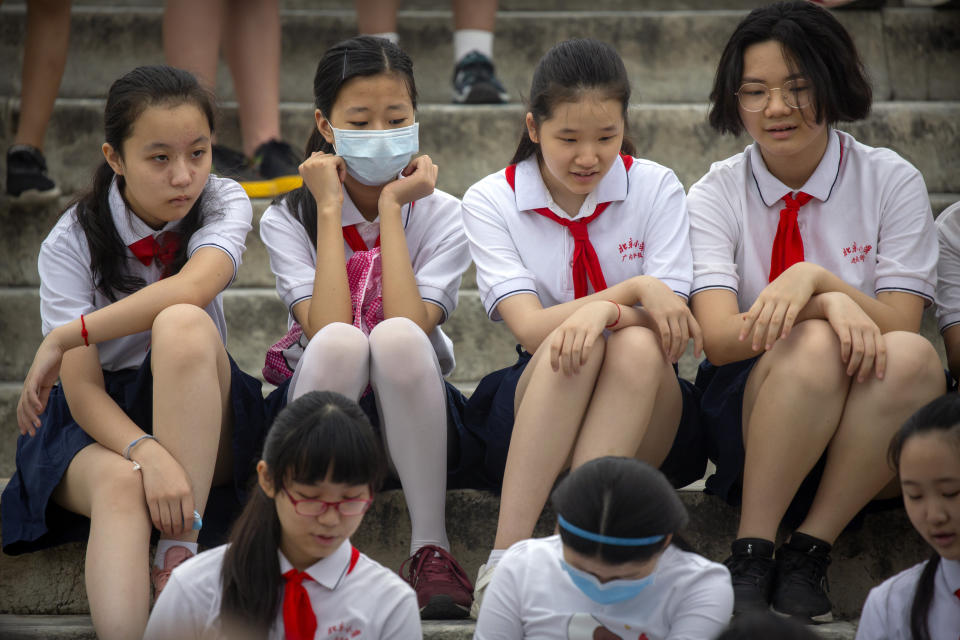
622 498
815 44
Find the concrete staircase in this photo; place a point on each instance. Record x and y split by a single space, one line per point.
670 49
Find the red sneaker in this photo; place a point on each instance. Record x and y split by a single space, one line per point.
173 558
443 590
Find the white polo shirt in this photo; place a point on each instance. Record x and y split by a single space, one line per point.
367 603
435 240
644 231
67 285
886 613
948 267
532 597
869 222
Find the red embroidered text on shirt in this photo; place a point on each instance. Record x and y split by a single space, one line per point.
631 250
343 631
857 253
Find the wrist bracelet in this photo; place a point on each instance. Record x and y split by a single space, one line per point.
614 323
126 452
83 331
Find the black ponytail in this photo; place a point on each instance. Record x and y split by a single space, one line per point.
353 58
317 432
941 415
129 97
621 498
564 73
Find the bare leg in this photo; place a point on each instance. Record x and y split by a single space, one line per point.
103 486
252 49
44 58
191 37
474 14
376 16
791 407
857 468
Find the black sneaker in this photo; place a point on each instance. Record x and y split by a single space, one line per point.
752 570
275 160
27 180
230 163
474 81
267 175
801 588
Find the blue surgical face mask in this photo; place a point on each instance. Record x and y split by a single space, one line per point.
610 592
376 156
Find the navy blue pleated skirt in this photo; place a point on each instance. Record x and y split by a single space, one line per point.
31 521
488 420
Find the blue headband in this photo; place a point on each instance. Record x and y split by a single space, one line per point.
596 537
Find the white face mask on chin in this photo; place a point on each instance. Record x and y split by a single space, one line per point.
376 156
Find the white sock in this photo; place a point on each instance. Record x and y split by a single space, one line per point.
337 358
163 545
406 379
392 36
467 40
494 558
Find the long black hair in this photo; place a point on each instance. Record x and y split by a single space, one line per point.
353 58
815 44
621 498
129 97
941 415
317 432
567 71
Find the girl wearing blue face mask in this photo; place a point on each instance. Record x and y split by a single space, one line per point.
368 257
612 570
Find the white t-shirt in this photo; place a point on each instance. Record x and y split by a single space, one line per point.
886 613
368 603
869 222
644 231
435 240
948 268
67 286
532 597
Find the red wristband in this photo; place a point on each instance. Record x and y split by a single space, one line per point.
83 331
614 323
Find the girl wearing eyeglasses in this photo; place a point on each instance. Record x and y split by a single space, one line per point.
814 257
289 569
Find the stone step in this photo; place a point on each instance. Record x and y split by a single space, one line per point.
51 582
670 55
502 5
469 142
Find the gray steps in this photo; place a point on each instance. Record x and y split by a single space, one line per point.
51 582
676 135
671 55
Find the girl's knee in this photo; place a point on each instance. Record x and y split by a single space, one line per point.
912 363
118 488
399 338
184 332
634 352
340 341
810 356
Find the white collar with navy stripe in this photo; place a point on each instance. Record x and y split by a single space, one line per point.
130 227
819 185
349 214
532 193
330 570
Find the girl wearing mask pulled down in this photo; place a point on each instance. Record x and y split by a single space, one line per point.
368 258
612 571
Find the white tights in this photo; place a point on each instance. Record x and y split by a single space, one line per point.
399 363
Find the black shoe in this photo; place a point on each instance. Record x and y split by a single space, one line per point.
274 169
230 163
474 81
27 180
276 159
752 570
801 588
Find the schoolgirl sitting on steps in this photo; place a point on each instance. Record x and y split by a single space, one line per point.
368 258
923 602
614 570
568 241
814 256
150 411
289 570
948 284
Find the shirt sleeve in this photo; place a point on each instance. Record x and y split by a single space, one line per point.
176 615
948 268
706 606
231 217
293 258
444 255
714 235
668 239
871 625
67 288
500 617
500 270
907 246
403 620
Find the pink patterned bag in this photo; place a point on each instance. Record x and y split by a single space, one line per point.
364 276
